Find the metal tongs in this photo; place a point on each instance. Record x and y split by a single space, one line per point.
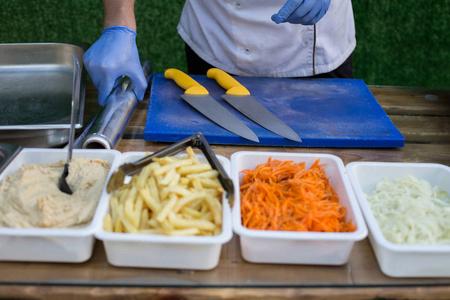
196 141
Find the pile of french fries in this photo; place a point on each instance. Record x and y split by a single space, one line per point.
174 195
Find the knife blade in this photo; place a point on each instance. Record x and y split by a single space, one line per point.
199 98
240 98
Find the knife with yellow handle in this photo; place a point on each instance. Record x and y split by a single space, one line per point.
241 99
199 98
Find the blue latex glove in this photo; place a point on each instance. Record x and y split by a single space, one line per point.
114 55
305 12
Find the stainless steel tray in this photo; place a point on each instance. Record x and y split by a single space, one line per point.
42 138
36 91
7 154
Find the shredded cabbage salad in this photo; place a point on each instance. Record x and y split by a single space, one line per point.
411 211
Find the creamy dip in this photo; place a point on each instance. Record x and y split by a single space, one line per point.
30 197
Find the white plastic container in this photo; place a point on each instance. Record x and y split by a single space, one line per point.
169 252
401 260
287 247
69 245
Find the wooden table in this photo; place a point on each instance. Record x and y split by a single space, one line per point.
422 116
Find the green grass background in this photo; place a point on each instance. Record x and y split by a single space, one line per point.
400 42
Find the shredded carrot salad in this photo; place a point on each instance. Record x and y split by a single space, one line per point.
283 195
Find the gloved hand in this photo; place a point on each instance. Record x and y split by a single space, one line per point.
305 12
113 55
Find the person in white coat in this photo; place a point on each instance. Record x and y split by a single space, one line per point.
269 38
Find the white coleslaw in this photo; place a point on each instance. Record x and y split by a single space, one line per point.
411 211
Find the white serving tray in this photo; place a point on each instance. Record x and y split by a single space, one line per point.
401 260
69 245
170 252
286 247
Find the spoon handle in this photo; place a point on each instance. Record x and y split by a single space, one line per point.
75 98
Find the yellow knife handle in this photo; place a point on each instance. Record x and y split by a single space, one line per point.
225 80
187 83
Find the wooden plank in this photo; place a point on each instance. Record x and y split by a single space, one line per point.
139 117
360 279
438 153
423 129
69 293
412 101
232 271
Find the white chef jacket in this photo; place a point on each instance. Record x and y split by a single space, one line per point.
239 37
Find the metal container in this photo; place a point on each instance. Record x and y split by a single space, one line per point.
36 93
7 154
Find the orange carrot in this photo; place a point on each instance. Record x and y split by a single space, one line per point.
283 195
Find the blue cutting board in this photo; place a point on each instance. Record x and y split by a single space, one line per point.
337 113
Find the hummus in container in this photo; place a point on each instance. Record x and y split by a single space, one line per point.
30 197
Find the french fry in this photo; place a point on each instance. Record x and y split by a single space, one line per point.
153 187
187 211
123 194
144 220
132 195
150 201
128 226
142 178
113 208
178 190
175 180
138 211
176 195
173 165
198 168
129 212
168 178
182 232
207 174
209 183
215 208
191 154
153 223
196 184
165 160
186 200
182 223
118 225
107 223
167 227
184 181
166 209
